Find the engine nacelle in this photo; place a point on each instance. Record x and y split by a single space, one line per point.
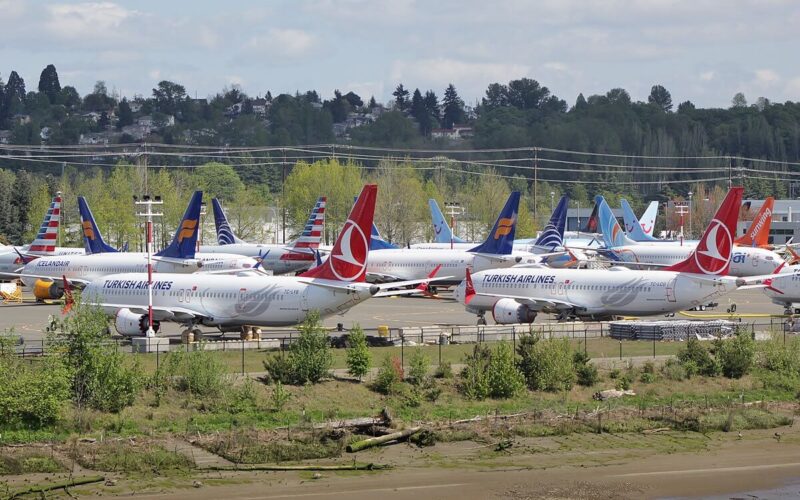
47 290
129 324
509 311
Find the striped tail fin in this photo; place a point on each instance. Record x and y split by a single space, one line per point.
225 234
312 231
45 242
553 234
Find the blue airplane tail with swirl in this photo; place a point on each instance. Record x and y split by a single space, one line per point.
225 234
441 229
632 224
553 234
92 239
501 238
609 227
184 242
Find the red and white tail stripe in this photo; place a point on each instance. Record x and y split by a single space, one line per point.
45 242
312 232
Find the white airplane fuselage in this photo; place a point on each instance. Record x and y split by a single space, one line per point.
10 261
784 288
745 261
279 259
230 300
597 292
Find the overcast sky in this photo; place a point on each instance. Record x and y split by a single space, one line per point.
700 50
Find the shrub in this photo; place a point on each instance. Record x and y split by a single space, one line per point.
200 373
777 357
418 369
674 370
586 373
279 369
280 396
697 360
474 382
546 364
504 378
359 358
737 355
310 356
390 374
32 394
444 370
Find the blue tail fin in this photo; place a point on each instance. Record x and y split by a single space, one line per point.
632 225
376 241
225 234
501 238
553 234
609 227
441 229
185 239
92 239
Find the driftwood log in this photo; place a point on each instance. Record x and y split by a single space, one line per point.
57 486
369 466
369 443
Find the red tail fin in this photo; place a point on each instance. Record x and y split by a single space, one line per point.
469 288
758 233
348 259
68 299
713 252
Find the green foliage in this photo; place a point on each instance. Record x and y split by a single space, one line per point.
504 378
697 360
778 357
419 366
32 395
736 355
546 364
585 372
474 383
444 370
280 396
199 373
389 377
674 370
359 358
309 357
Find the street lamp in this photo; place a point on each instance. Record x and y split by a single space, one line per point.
148 203
690 213
578 204
552 198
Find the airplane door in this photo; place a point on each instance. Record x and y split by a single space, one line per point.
561 288
242 298
671 290
181 295
755 260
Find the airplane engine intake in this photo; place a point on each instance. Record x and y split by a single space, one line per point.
128 323
47 290
509 311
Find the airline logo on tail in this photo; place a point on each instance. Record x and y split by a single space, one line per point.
714 251
188 228
351 261
88 231
504 227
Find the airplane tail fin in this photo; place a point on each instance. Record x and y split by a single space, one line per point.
648 219
442 233
794 257
591 224
92 239
312 232
635 228
501 238
45 242
185 239
377 242
609 227
348 258
553 234
757 234
225 234
713 252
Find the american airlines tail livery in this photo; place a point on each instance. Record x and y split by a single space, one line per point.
517 295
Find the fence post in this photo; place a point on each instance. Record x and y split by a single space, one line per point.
514 337
158 349
402 353
585 344
654 347
242 356
620 349
440 349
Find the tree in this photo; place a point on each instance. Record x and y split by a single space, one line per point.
218 180
420 113
401 203
372 103
49 84
104 121
168 95
660 97
358 355
496 96
125 115
70 97
13 97
400 98
580 103
686 107
432 105
353 99
619 96
739 101
453 107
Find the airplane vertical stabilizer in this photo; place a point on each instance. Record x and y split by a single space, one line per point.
92 239
45 242
553 234
225 234
312 231
648 219
185 240
634 227
501 238
609 227
757 234
442 233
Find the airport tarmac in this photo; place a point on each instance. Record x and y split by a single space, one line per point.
29 319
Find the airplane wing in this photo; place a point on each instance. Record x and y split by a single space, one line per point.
382 278
160 313
533 302
80 283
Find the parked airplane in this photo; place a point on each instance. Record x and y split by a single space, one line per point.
236 302
517 295
784 289
280 259
415 263
441 229
746 261
757 235
12 259
46 274
640 229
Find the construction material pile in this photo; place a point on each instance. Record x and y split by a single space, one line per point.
671 330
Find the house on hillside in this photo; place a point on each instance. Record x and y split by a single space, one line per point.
92 116
260 106
44 134
94 139
21 119
457 133
5 137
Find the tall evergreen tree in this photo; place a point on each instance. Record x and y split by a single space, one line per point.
21 199
432 105
420 113
49 84
125 114
660 97
14 96
453 112
400 98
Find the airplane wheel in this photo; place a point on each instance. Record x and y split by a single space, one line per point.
481 321
187 337
702 308
733 308
198 335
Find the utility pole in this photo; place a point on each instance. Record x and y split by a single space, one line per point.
535 185
283 194
148 203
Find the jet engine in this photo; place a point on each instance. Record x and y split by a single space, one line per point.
130 324
509 311
47 290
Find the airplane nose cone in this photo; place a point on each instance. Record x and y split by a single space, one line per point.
458 292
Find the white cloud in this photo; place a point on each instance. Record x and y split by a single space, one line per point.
87 20
441 71
766 78
283 43
707 76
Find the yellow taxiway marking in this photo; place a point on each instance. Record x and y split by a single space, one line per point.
731 316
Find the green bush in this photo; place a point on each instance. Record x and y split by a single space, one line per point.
474 383
444 370
418 368
32 394
585 372
674 370
389 376
696 359
199 372
737 355
280 396
278 368
309 357
776 356
546 364
504 378
359 358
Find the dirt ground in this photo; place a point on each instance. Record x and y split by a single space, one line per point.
632 465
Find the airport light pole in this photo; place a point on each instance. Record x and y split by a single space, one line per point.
453 208
552 198
148 203
690 213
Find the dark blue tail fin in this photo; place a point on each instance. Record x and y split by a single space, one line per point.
185 239
501 238
225 234
92 239
553 234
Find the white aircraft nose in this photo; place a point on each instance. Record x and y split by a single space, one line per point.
458 292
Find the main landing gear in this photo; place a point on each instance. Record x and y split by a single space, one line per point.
482 318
